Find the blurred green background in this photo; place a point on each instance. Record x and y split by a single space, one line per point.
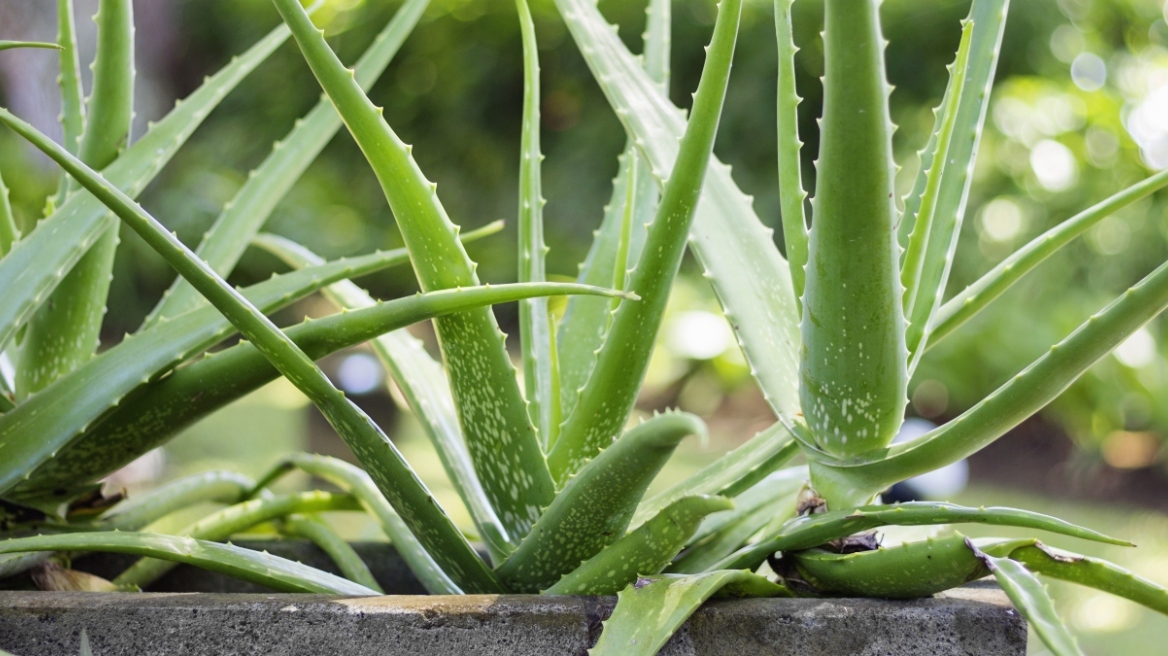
1080 110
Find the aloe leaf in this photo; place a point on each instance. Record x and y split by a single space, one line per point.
393 475
246 213
651 610
424 386
534 321
358 483
1027 392
644 551
262 568
593 510
11 45
989 21
139 511
8 231
919 302
731 473
607 399
1031 598
750 277
346 558
72 109
65 330
222 524
84 648
974 298
810 531
622 233
32 433
34 267
853 374
499 434
791 193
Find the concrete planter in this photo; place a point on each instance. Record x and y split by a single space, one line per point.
973 620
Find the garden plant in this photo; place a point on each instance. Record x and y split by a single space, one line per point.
547 464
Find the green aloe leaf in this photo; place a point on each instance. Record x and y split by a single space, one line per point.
607 399
358 483
8 231
265 569
246 213
499 434
222 524
12 45
594 508
31 271
641 552
618 242
989 21
66 329
1031 598
393 475
974 298
810 531
750 277
648 612
141 510
72 108
791 193
424 386
330 542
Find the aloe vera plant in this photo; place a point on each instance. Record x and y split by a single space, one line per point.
552 474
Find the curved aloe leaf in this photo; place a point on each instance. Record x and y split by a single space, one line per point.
346 558
222 524
604 404
246 213
72 108
261 568
642 552
31 271
359 484
989 21
810 531
394 477
1026 393
12 45
1032 599
648 612
425 388
31 434
973 299
140 511
622 233
66 329
498 431
594 508
750 277
8 232
791 193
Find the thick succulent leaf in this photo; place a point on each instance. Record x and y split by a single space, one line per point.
261 568
499 434
919 302
810 531
648 612
425 388
346 558
853 371
749 275
65 331
11 45
594 508
622 233
8 231
246 213
1031 598
141 510
730 474
72 108
33 436
393 475
974 298
358 483
791 193
607 399
641 552
31 271
222 524
1026 393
